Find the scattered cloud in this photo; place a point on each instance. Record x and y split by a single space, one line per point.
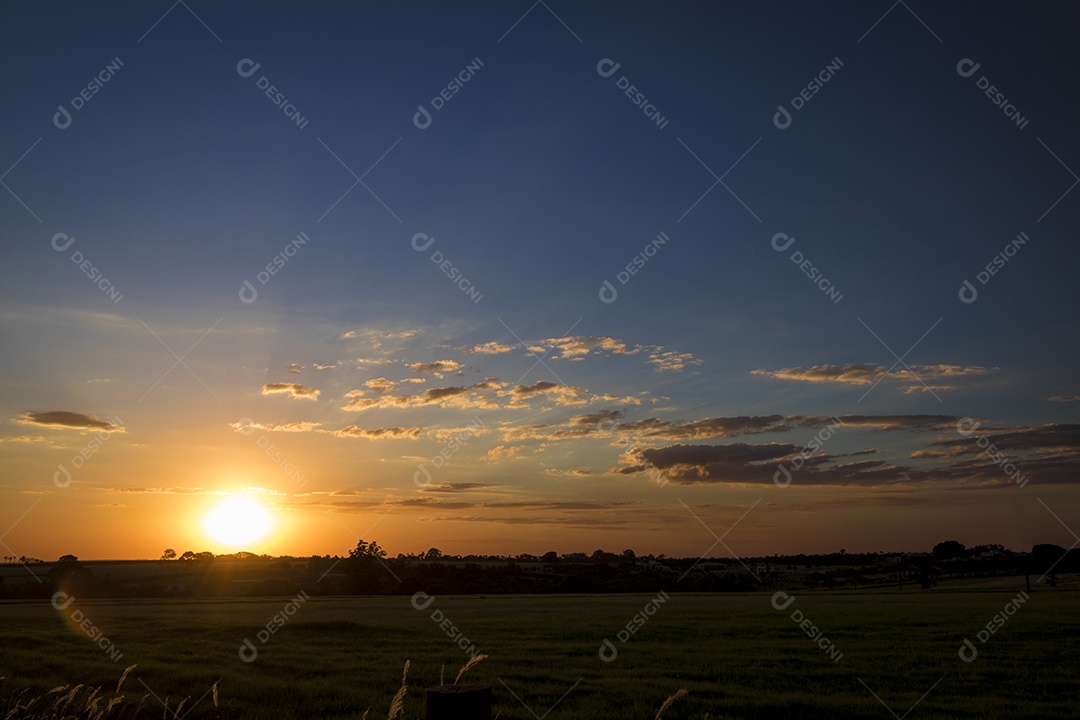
247 427
456 487
555 472
32 440
577 347
437 368
917 377
294 390
879 422
489 348
294 368
671 361
460 433
69 420
502 452
160 490
477 395
1001 457
350 431
380 385
394 433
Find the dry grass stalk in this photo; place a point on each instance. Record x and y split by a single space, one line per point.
472 661
397 706
670 701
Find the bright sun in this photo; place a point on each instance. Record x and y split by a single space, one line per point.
237 521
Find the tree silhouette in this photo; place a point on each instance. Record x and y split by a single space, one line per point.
948 550
366 566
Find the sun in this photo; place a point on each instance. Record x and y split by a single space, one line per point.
237 522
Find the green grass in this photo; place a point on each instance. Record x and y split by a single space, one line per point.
736 654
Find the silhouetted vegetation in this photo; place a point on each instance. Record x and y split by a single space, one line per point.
367 570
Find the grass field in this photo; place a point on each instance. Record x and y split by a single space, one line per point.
738 656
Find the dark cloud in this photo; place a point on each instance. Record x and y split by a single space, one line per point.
456 487
437 368
65 419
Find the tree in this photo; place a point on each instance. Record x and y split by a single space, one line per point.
188 555
169 554
68 566
1047 558
948 550
371 550
366 565
433 554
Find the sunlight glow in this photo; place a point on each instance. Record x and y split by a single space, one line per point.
237 522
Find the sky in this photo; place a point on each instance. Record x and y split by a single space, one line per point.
715 279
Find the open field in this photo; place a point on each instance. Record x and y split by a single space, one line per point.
738 655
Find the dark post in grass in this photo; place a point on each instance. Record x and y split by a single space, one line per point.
459 702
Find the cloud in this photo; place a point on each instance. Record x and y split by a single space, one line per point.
488 348
871 373
437 368
576 348
72 420
376 333
294 368
611 425
998 457
294 390
563 394
350 431
740 463
1063 398
456 487
580 345
394 433
1044 454
593 419
924 388
380 385
501 452
317 366
880 422
246 428
853 374
716 427
32 440
568 473
670 361
462 434
461 396
158 490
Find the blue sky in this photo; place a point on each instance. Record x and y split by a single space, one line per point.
539 180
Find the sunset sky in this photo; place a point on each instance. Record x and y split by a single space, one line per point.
447 292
